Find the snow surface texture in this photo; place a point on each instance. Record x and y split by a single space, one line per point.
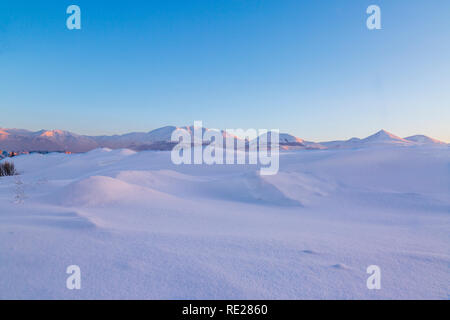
140 227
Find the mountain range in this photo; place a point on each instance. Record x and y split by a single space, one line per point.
20 140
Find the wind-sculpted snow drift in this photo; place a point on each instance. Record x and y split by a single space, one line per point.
141 227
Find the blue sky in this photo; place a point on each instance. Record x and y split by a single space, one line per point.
310 68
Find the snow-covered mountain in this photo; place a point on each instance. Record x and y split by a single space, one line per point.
383 138
156 139
422 139
160 139
135 138
44 140
289 142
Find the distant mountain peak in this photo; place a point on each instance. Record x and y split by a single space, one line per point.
384 136
52 133
387 134
423 139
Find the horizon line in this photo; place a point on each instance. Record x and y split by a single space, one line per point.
280 131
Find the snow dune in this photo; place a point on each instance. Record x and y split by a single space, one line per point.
141 227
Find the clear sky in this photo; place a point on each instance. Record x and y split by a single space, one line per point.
308 67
